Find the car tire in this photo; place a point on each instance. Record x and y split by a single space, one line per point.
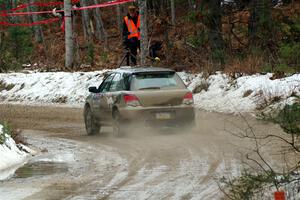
118 125
92 127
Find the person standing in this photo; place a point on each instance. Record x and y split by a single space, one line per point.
131 34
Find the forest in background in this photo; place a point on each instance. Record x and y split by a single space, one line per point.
245 36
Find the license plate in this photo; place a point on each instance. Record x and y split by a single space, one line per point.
163 116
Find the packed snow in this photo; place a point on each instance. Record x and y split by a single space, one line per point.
12 156
218 92
56 87
243 94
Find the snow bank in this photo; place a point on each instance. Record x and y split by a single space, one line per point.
219 92
53 87
11 156
244 94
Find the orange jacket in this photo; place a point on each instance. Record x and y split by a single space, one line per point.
134 31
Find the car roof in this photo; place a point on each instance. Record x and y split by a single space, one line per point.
132 70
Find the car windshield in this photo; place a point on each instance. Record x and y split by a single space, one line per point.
148 81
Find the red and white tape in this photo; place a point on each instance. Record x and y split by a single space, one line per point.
5 14
106 4
23 6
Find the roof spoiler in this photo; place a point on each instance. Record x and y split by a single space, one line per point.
155 72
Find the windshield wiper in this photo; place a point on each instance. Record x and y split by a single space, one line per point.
150 88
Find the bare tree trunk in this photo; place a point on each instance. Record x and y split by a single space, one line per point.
86 22
75 37
119 18
173 12
68 34
190 4
214 24
1 35
260 25
38 34
144 31
13 5
253 24
100 30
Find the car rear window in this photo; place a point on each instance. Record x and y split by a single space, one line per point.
164 80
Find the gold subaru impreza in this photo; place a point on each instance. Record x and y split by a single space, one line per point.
152 96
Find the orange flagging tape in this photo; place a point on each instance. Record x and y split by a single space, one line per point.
279 195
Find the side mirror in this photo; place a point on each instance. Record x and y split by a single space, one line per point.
93 90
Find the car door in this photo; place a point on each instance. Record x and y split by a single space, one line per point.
101 100
112 94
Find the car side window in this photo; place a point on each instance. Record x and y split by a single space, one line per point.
115 84
104 87
126 82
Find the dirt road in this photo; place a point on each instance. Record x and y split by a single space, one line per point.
145 164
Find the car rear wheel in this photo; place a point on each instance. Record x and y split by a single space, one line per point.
118 125
91 125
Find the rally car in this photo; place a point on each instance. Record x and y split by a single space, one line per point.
129 95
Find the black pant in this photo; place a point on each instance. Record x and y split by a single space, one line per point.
132 45
155 46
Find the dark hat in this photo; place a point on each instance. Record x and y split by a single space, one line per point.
132 8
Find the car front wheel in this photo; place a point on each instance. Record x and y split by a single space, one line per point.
91 125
